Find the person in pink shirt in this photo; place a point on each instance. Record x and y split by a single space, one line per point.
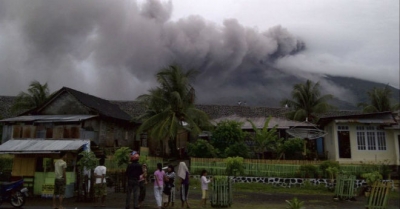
158 184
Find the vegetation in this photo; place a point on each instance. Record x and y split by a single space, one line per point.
35 96
121 155
238 149
6 162
292 146
307 102
308 171
88 160
295 204
329 164
234 165
170 107
379 101
202 149
266 139
372 177
226 134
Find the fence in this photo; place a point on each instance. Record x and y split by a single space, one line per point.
221 192
276 168
252 167
344 188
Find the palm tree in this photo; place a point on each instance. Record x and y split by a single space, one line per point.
266 139
380 101
170 107
307 102
36 95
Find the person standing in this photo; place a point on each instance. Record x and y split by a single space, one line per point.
158 184
183 174
170 186
60 180
142 184
204 187
133 172
100 187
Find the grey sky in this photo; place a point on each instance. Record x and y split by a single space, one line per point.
113 48
344 37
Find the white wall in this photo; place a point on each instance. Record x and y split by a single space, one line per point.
375 156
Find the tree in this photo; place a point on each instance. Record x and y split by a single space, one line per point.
266 139
35 96
379 101
227 133
202 149
170 106
307 102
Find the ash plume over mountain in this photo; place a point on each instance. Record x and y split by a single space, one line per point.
113 49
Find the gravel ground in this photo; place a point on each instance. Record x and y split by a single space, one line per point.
240 200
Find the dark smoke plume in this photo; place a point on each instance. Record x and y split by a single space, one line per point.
113 49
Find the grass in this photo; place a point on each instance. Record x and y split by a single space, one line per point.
268 188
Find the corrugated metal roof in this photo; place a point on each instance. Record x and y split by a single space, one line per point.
260 121
48 118
41 146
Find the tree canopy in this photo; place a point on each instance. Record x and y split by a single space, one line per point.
380 100
307 102
170 107
35 96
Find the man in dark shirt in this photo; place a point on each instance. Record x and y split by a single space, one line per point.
133 172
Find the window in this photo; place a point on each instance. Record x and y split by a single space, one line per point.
370 138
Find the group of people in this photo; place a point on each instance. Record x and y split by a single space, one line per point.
164 185
137 178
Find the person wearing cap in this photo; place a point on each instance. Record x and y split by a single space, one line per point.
142 184
133 172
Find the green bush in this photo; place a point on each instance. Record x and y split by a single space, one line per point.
88 160
234 165
6 162
326 164
292 146
227 133
308 170
122 156
372 177
202 149
239 149
294 203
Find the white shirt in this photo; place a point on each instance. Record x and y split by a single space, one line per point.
59 167
204 183
100 170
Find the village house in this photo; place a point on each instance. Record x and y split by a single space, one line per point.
71 114
373 137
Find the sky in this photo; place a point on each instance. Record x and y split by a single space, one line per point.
113 49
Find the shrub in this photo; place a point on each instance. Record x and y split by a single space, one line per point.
88 160
239 149
6 163
308 170
326 164
122 156
234 165
227 133
372 177
292 146
294 204
202 149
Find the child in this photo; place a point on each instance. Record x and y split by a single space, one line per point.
204 187
142 184
169 187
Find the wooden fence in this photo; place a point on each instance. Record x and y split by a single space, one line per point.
272 168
